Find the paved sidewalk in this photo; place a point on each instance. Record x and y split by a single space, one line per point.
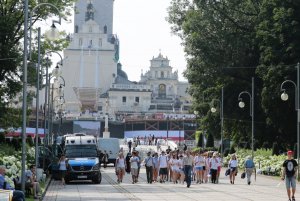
264 189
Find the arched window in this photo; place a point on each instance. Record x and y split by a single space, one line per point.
162 91
105 29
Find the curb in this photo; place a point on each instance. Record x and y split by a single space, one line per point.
48 182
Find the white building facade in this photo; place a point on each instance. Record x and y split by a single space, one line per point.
95 84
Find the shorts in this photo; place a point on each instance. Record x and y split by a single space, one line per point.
163 171
121 169
290 182
62 173
134 171
232 169
199 168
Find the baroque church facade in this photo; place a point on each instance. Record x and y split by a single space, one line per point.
95 82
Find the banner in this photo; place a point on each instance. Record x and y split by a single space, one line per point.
29 132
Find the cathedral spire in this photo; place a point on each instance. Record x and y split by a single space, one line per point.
89 14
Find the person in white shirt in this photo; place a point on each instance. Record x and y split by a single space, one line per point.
134 160
163 166
62 168
233 163
173 162
120 167
180 165
199 167
214 163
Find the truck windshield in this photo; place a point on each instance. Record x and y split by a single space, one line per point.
73 151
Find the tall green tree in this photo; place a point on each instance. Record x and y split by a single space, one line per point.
219 39
278 33
11 47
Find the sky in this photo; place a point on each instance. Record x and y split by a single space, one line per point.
144 32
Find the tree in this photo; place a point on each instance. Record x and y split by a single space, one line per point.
200 140
210 141
217 35
261 37
11 47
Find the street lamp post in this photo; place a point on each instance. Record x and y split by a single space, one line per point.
284 97
213 109
37 98
24 101
242 105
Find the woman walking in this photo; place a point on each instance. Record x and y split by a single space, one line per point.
62 168
134 160
120 167
233 168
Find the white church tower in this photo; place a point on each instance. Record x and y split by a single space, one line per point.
90 64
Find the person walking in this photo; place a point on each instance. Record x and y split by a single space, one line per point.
289 175
129 145
249 167
163 167
105 159
120 167
62 168
155 167
149 163
233 163
127 159
188 162
214 164
134 160
199 162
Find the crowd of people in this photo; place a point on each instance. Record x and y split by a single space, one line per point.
178 166
183 166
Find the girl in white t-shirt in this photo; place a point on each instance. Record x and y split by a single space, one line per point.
233 165
134 160
180 166
173 162
199 167
120 167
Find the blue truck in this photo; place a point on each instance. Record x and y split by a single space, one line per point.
82 159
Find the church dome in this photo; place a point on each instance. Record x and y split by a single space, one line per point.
120 72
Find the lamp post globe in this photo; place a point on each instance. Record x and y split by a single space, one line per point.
213 109
241 104
284 96
53 33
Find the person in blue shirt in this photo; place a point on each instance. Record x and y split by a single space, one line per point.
17 195
249 167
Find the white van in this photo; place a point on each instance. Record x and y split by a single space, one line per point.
111 146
